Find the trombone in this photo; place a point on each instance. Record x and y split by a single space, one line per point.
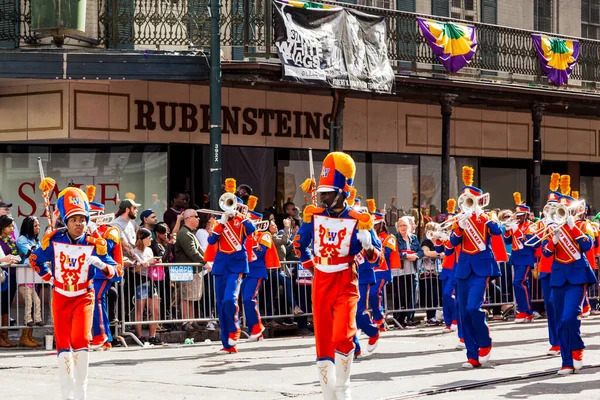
229 204
556 217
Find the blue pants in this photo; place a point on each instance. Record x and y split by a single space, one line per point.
448 300
228 291
550 312
521 287
356 345
250 288
363 319
471 292
567 307
376 299
101 324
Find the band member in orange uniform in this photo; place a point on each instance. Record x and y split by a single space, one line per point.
336 233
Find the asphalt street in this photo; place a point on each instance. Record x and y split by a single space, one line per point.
407 364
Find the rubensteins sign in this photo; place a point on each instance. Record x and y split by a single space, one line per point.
186 117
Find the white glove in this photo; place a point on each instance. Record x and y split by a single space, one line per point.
96 262
463 223
556 237
226 216
443 237
364 236
478 211
571 221
92 226
513 227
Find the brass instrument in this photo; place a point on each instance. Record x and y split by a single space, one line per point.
556 217
437 233
467 202
229 204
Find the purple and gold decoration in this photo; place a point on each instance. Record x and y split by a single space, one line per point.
453 44
557 57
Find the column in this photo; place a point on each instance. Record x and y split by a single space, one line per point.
336 133
446 102
537 111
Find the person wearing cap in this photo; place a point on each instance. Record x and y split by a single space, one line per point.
571 273
545 266
328 241
263 256
68 260
5 210
101 334
390 259
522 258
244 192
149 220
228 252
476 265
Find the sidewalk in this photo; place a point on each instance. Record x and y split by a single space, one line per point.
406 363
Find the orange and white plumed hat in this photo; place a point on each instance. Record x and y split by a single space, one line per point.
337 173
72 201
521 208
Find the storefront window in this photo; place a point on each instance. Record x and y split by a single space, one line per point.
116 171
456 182
590 191
431 186
501 183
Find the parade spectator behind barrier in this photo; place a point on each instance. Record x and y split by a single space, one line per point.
205 228
282 238
5 210
149 220
430 287
179 203
146 292
277 278
188 250
290 254
9 248
26 277
290 210
163 246
404 278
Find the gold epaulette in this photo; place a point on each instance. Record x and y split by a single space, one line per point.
113 234
365 222
309 211
46 239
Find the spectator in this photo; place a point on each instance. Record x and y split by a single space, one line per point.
291 255
205 228
163 248
146 292
26 277
430 287
149 220
290 210
244 192
179 204
5 210
188 250
403 282
281 238
9 248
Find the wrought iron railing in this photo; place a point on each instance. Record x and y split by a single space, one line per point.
246 26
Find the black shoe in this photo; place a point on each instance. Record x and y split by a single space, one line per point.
143 339
155 341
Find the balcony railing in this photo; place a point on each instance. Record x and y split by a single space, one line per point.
504 54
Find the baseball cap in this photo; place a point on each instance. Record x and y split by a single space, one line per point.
146 214
3 204
128 203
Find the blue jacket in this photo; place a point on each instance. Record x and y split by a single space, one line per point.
482 263
415 246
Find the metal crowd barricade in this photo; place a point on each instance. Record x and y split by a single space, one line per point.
26 299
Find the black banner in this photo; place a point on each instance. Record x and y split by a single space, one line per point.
336 47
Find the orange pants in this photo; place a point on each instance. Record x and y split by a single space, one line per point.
334 297
73 318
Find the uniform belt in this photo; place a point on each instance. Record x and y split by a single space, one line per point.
72 288
334 260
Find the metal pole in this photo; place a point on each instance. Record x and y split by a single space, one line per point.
446 102
336 133
537 111
215 103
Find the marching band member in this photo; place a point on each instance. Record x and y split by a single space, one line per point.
571 273
476 265
522 258
389 260
336 233
68 260
102 336
443 246
229 256
590 254
545 268
366 282
263 255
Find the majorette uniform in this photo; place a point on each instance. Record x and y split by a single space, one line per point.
230 262
263 255
476 264
70 265
336 238
522 259
545 270
571 273
389 260
102 336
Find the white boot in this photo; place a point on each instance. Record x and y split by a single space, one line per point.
65 374
343 367
326 370
81 362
